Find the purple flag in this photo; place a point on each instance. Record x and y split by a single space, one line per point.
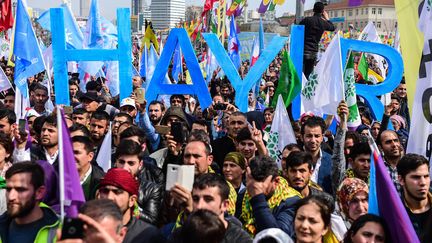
354 3
51 197
263 8
390 205
73 192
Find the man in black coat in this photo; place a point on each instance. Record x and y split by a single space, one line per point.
314 28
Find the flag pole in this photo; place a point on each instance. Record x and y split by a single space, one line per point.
61 164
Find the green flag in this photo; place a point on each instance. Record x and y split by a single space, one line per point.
354 119
363 67
2 183
289 85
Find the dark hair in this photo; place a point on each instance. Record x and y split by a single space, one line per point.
378 140
134 131
358 149
73 81
410 162
93 86
201 136
79 111
86 141
51 119
80 127
38 123
6 142
263 166
318 7
314 121
290 146
157 102
100 115
178 96
268 109
239 113
35 170
100 209
10 115
297 158
361 221
37 86
201 226
352 135
212 180
395 97
322 203
128 147
202 122
123 114
243 134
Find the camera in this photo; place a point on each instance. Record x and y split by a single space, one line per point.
73 228
220 106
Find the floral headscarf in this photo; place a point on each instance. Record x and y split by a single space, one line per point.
348 188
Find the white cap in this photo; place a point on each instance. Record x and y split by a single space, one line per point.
31 112
128 101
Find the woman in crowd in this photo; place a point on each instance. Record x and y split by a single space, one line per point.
312 220
368 228
234 167
352 198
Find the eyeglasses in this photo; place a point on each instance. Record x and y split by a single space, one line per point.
106 190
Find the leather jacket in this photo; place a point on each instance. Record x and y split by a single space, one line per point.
151 192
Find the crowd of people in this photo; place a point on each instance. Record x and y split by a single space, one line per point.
317 193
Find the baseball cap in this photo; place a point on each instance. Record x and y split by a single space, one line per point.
128 101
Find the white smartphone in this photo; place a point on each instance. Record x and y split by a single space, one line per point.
180 174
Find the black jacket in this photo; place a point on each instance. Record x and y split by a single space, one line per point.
235 232
95 177
140 231
151 192
314 28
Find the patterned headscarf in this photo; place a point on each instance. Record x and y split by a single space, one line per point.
348 188
237 158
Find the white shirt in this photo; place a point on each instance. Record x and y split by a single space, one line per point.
87 174
315 172
51 159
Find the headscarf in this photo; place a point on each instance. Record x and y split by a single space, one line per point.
399 120
236 158
348 188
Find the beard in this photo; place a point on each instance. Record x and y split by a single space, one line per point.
155 120
23 209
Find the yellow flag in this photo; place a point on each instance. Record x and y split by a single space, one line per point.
149 36
411 40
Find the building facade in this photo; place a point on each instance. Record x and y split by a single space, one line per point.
167 14
381 12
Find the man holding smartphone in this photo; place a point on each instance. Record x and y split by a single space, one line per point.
314 28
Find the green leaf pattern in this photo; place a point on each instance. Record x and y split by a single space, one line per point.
273 145
310 87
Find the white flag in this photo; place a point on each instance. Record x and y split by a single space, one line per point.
4 48
370 33
324 89
104 156
281 133
4 81
419 141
